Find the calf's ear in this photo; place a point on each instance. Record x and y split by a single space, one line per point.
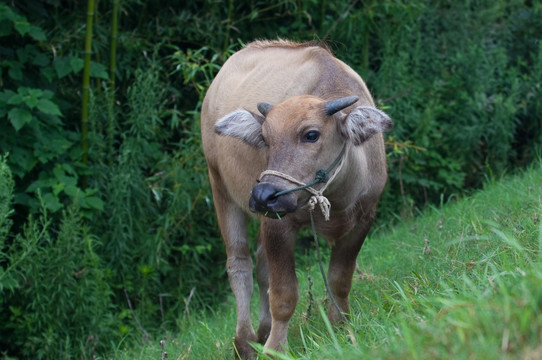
363 122
244 125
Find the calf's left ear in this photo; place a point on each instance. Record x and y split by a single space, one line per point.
243 125
363 122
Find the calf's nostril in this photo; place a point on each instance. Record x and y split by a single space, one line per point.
264 193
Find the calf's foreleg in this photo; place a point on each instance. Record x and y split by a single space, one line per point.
279 240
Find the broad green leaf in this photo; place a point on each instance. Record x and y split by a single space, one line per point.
35 93
62 67
91 191
58 188
14 99
46 94
19 117
98 70
67 65
95 202
48 107
27 96
37 33
24 53
76 64
7 14
15 72
23 159
51 202
40 184
58 172
6 95
41 59
22 26
68 169
71 190
48 73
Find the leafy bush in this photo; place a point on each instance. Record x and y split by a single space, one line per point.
55 295
453 78
130 234
158 224
44 151
6 198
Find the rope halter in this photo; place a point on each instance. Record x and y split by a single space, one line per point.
322 176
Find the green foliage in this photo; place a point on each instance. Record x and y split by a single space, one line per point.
6 198
7 280
43 150
156 187
54 291
61 303
462 81
458 281
450 77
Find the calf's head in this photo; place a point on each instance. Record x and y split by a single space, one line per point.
301 135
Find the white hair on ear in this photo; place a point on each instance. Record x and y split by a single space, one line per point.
243 125
365 121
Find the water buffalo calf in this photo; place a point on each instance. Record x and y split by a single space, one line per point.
276 113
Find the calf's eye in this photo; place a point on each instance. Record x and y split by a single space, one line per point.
311 136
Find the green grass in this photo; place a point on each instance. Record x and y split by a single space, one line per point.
460 282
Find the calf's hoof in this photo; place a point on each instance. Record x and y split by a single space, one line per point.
263 333
243 350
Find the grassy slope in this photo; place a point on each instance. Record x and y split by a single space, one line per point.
463 282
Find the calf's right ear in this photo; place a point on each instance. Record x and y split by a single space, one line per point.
244 125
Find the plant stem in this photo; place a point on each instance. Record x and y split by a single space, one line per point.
228 26
112 78
113 59
86 83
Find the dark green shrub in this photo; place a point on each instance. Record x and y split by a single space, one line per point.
6 199
462 81
44 150
54 291
158 227
454 79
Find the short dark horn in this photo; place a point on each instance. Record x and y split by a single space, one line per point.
333 106
264 108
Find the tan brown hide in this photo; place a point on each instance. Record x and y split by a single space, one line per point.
289 108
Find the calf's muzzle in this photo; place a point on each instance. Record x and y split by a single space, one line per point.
263 199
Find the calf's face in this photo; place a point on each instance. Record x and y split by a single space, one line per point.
303 135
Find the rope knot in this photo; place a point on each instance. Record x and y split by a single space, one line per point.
325 205
321 176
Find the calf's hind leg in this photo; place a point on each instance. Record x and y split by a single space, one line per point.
262 275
